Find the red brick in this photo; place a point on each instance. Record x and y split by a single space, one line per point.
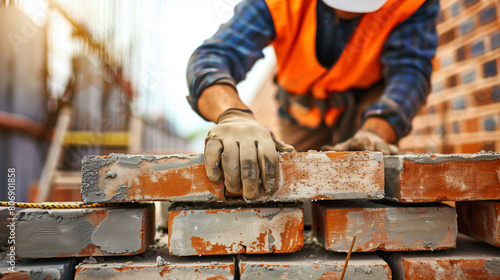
480 219
235 229
435 177
124 178
302 176
312 263
83 232
470 260
472 125
471 147
157 264
384 226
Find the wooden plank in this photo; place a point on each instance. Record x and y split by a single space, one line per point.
55 149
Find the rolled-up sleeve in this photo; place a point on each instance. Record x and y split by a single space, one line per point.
230 53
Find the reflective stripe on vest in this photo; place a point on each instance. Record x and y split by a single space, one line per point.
299 71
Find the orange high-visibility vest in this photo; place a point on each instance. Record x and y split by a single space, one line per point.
300 73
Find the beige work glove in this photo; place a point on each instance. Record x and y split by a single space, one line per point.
365 140
245 151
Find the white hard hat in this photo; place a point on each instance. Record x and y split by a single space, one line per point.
356 6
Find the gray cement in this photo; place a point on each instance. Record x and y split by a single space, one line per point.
66 232
312 263
439 158
393 166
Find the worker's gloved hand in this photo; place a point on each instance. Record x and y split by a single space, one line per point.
245 151
365 140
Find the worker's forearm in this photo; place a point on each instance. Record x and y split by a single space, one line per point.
382 127
216 99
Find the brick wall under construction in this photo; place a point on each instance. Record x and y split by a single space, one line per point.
463 110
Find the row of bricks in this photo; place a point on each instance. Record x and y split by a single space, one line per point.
483 70
488 69
484 17
239 228
471 125
302 176
312 262
476 48
480 97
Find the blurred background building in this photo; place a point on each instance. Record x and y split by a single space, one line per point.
94 77
89 77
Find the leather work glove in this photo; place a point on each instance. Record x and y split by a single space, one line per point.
364 140
245 151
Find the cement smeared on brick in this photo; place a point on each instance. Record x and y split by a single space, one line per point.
68 232
385 226
188 161
328 175
110 178
236 230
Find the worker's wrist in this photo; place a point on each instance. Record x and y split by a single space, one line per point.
381 127
218 98
246 113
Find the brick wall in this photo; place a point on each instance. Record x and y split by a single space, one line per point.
462 112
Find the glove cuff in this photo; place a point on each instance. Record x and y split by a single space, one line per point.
371 131
235 112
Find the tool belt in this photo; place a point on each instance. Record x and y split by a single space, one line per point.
311 112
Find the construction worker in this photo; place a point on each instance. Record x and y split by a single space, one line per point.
351 76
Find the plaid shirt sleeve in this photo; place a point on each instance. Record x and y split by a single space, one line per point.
229 54
407 66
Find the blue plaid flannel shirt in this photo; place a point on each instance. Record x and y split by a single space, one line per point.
230 53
